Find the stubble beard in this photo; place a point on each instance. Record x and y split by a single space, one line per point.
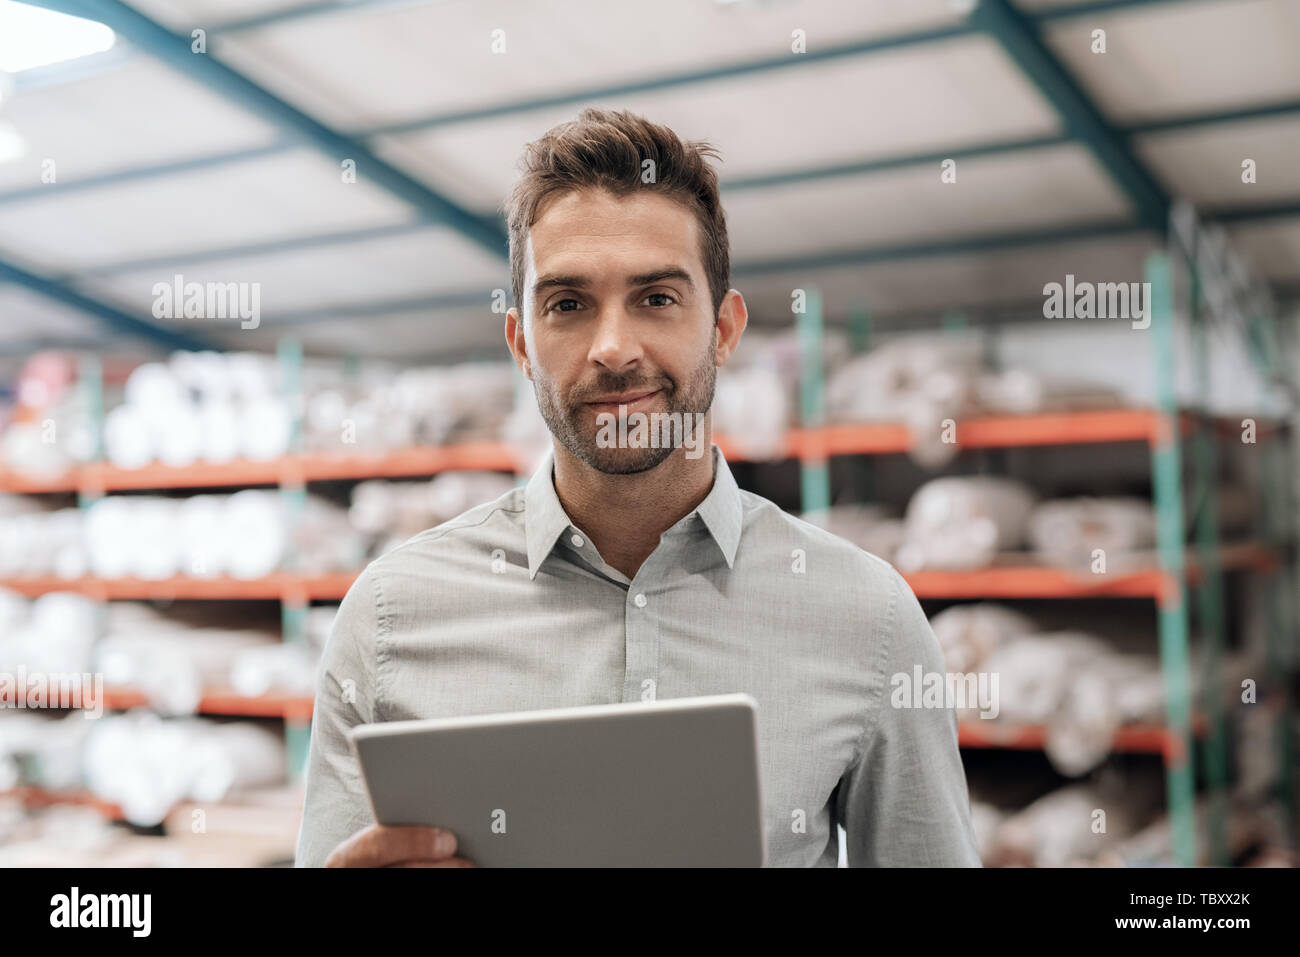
572 421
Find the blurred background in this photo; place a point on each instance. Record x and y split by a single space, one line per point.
253 279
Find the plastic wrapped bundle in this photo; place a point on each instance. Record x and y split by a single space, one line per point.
282 668
1066 531
134 536
324 540
1057 830
751 411
257 534
465 401
169 661
398 510
46 748
917 380
147 764
873 528
55 637
1034 672
969 634
1022 391
13 611
963 522
43 543
986 820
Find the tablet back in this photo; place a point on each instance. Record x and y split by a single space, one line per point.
644 784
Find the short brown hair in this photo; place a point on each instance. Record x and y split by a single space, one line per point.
607 149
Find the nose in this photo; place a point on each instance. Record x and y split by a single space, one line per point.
614 344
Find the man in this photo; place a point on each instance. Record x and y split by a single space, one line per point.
629 573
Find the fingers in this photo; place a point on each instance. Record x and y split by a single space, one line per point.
380 846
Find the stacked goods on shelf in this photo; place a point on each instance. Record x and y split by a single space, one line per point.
1077 685
52 634
147 764
171 660
210 407
1068 826
923 380
247 535
873 528
389 513
140 762
969 522
1066 532
49 429
963 522
757 393
251 829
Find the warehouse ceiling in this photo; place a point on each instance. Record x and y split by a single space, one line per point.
224 166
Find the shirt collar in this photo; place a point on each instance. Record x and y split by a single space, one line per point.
545 519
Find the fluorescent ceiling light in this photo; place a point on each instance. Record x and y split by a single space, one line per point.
11 144
31 37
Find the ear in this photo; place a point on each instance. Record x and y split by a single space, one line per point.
732 319
517 342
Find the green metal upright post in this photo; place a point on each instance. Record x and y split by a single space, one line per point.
293 499
1180 774
814 469
1209 586
1279 622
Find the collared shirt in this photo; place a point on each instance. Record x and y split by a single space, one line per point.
510 607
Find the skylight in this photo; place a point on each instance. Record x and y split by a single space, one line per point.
32 37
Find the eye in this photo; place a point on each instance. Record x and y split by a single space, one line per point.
556 306
666 300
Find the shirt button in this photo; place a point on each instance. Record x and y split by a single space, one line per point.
577 541
640 600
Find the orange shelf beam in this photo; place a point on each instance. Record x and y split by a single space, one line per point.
36 798
996 581
1059 428
1133 739
220 701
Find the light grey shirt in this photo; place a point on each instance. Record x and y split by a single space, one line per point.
509 607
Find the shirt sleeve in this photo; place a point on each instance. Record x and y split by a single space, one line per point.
904 802
335 805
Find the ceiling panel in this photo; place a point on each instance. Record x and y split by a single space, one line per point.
291 194
1170 59
959 92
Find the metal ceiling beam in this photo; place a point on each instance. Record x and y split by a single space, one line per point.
110 316
1083 121
1248 214
175 51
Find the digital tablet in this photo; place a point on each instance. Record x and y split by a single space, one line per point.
670 783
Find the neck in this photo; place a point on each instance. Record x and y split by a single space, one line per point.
624 515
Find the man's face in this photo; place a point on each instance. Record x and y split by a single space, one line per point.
618 312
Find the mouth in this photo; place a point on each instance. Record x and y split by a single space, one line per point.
632 401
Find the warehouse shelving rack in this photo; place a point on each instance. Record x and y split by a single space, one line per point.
812 444
1165 429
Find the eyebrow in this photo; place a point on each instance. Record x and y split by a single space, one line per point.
644 279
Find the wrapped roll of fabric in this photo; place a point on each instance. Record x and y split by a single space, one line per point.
147 764
281 668
963 522
969 634
1066 532
1034 672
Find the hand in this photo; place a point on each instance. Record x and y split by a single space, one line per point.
380 846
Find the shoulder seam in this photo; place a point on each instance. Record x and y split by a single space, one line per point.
877 675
